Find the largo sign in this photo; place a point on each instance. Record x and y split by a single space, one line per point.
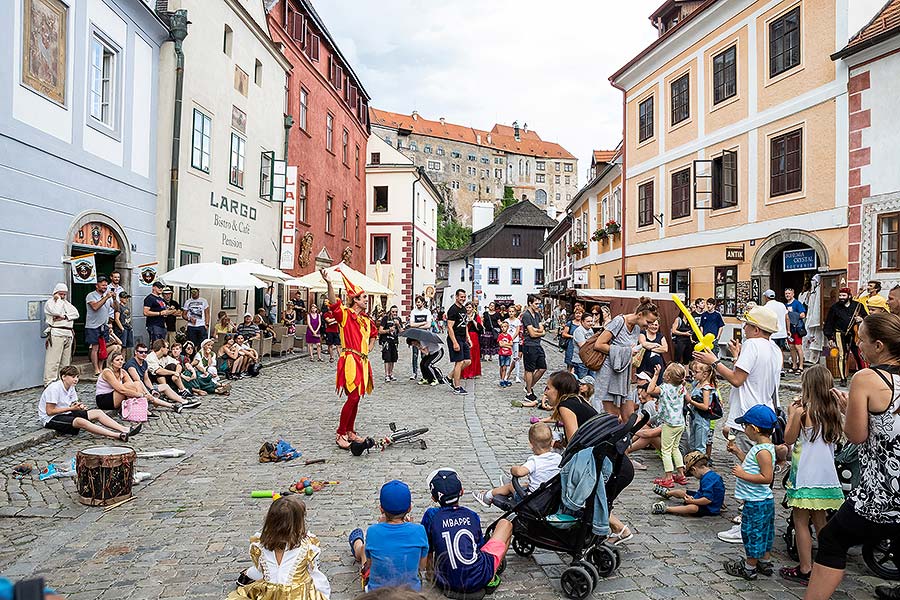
289 219
232 217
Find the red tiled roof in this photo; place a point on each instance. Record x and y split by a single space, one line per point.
502 136
604 156
884 21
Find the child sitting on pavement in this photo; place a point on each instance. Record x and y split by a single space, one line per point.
539 467
393 550
459 556
705 501
285 557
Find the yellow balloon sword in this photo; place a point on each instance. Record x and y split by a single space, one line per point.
708 341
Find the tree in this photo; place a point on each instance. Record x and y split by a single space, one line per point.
509 198
451 234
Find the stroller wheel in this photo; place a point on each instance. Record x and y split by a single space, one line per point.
604 558
576 583
618 556
882 559
591 569
522 547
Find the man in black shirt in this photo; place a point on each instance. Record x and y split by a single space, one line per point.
458 339
532 351
171 318
389 331
155 311
840 325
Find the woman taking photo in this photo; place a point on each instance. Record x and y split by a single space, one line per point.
619 341
872 510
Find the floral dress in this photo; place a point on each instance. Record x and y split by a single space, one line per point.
813 482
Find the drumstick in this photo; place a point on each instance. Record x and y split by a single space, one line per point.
167 453
314 461
119 503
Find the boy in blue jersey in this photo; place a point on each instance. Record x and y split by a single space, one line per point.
460 557
394 550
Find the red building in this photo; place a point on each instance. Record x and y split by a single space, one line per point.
327 109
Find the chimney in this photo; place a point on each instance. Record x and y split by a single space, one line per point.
525 127
442 120
489 139
478 138
415 115
482 215
516 130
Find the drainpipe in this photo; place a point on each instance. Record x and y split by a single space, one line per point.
624 187
412 268
178 25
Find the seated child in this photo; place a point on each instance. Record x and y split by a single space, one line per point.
285 557
461 559
651 433
394 550
705 501
540 466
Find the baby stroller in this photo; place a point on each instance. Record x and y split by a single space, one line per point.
592 558
882 558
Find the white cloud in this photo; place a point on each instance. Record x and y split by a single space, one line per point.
478 63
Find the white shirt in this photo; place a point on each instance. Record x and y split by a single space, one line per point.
780 311
154 362
541 467
55 393
418 316
761 359
196 309
116 289
514 329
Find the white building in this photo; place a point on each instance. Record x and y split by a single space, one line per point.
503 262
401 222
232 131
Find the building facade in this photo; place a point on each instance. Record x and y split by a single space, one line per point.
735 124
328 112
232 133
401 223
503 262
77 166
597 228
873 57
472 165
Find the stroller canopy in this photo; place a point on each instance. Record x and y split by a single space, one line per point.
602 428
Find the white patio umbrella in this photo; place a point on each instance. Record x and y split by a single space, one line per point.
261 271
211 275
314 282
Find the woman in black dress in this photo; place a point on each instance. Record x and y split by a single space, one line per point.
491 322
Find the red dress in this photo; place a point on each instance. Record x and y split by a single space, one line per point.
474 367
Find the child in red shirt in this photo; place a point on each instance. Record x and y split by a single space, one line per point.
504 353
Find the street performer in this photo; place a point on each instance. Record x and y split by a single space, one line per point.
841 327
354 373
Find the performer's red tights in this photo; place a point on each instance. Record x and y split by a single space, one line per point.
348 413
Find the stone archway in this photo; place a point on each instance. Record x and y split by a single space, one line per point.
761 268
123 258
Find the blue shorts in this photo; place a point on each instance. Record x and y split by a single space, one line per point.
156 332
464 351
758 527
504 361
92 335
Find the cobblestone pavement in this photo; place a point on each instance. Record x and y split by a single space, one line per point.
185 534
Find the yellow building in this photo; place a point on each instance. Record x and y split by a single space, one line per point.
734 158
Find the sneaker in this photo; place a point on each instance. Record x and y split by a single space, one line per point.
518 380
152 415
665 482
736 520
768 568
732 536
887 591
492 585
658 508
660 490
737 568
177 407
531 397
461 391
191 404
680 479
421 381
185 394
482 498
433 382
387 379
412 377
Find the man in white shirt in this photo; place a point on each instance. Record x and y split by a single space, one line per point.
781 314
60 316
60 410
419 318
196 313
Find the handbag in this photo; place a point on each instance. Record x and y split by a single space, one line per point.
134 409
592 358
102 353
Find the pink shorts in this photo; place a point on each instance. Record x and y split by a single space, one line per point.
495 548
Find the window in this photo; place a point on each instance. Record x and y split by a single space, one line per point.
440 151
724 173
381 198
257 73
493 276
644 282
356 230
568 196
681 194
784 43
301 201
538 277
485 160
473 187
101 97
888 246
427 149
540 165
726 289
329 202
304 107
434 165
236 174
558 196
471 171
329 132
344 222
681 99
516 276
569 167
454 185
186 257
556 165
381 248
498 173
312 45
784 172
557 179
345 147
568 179
472 157
266 160
227 40
455 154
498 160
517 239
200 144
462 274
645 119
412 146
645 204
229 297
454 168
356 160
725 75
539 178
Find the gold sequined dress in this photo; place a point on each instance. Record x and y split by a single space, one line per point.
297 577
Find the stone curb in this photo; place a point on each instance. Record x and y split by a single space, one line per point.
40 436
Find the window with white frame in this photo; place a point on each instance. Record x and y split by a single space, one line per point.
540 165
568 167
434 165
493 276
200 142
102 91
329 132
304 107
516 276
236 171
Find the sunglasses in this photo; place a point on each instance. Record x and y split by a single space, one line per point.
140 351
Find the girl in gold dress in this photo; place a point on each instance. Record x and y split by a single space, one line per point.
285 558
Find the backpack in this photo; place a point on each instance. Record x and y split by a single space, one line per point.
254 369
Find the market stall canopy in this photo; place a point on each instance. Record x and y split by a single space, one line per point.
261 271
211 275
314 282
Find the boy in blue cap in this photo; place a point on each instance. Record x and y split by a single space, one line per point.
460 557
394 550
754 487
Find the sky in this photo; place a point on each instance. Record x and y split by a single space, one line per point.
478 63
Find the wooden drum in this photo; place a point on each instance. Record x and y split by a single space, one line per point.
104 474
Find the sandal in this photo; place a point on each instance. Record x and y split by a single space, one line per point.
658 508
355 535
795 574
622 536
135 429
342 442
638 465
123 437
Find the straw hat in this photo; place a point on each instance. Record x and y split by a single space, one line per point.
761 317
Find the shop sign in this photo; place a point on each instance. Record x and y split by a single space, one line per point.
232 217
289 219
800 260
557 287
581 277
734 253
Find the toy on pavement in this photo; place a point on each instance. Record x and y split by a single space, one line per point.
707 342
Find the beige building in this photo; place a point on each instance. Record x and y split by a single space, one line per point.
734 154
473 165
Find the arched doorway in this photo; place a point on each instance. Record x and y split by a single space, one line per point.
772 269
100 235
